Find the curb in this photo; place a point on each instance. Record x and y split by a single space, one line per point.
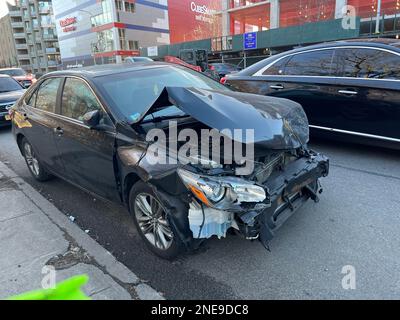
104 258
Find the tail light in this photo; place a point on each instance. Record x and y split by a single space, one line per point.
223 80
212 68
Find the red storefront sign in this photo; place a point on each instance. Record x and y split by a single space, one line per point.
191 20
68 24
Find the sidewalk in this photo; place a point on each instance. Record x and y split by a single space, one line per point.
34 234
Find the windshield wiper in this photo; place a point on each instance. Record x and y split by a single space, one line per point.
165 118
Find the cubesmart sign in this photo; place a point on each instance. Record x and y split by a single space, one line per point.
191 20
250 41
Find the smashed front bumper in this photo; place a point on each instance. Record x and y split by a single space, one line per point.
287 192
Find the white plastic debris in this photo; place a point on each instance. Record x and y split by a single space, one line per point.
87 231
72 218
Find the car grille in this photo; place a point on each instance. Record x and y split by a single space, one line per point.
4 107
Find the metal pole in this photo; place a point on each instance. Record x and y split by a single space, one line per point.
378 16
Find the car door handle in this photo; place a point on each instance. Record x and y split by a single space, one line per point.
59 131
348 92
277 87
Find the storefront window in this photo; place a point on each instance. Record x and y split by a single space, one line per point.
293 13
250 19
368 8
242 3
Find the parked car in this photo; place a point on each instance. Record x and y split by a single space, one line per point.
138 59
90 128
10 92
224 69
24 78
348 89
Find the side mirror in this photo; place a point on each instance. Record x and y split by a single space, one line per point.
92 119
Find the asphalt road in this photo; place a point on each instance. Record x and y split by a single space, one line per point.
357 223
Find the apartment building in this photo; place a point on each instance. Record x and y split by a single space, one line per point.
35 35
106 31
8 53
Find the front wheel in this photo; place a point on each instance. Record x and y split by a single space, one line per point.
152 222
35 167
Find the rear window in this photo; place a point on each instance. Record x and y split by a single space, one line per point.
13 72
9 84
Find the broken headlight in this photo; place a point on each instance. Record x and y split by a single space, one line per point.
222 192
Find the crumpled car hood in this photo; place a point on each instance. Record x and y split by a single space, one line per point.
277 123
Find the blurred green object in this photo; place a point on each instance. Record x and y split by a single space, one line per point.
70 289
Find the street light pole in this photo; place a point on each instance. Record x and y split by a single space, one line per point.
378 16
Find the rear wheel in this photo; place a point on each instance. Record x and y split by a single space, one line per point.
152 222
35 167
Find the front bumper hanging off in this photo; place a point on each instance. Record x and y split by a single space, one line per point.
287 192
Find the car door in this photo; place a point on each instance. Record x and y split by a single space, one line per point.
304 77
368 92
87 154
39 113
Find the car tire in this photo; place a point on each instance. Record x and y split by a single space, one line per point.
152 222
35 167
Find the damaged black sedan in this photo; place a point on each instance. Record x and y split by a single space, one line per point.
189 158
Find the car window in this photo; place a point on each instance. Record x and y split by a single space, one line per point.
78 99
13 72
315 63
277 68
367 63
9 84
47 95
132 93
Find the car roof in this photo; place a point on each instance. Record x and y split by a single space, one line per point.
383 43
108 69
4 76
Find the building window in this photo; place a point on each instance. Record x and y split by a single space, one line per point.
104 17
133 45
129 7
118 5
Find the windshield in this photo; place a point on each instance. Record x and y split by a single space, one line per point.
13 72
9 84
133 93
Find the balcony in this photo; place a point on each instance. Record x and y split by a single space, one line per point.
52 63
21 46
45 10
50 37
48 24
23 56
17 24
19 35
15 13
52 51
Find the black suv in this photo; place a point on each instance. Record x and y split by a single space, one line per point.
347 88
